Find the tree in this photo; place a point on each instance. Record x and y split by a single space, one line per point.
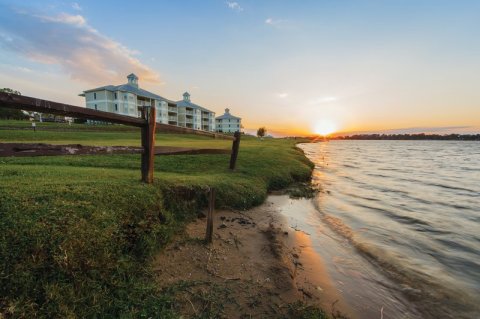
261 131
11 114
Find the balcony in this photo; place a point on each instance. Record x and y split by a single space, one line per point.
172 109
189 121
189 112
172 118
143 103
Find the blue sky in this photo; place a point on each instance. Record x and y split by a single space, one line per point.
293 66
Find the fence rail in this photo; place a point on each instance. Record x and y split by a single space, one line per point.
44 106
147 124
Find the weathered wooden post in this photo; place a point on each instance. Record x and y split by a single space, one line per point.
211 209
235 147
148 143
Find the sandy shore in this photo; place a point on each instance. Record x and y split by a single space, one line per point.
256 266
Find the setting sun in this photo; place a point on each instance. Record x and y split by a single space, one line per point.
325 127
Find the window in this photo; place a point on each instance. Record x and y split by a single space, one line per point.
115 95
95 106
94 96
116 106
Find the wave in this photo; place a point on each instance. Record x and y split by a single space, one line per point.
433 298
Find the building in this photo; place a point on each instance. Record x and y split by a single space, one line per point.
227 123
128 99
194 116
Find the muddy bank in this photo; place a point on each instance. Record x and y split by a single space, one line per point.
41 149
256 267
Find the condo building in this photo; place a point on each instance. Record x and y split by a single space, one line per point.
228 123
194 116
128 99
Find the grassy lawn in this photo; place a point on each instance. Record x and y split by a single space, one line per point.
76 231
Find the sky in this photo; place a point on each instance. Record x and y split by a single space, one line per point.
295 67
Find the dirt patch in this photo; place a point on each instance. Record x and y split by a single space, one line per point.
250 269
40 149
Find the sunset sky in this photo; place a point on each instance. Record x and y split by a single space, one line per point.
296 67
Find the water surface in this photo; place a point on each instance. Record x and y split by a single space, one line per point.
412 210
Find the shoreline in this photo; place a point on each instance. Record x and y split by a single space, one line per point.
256 266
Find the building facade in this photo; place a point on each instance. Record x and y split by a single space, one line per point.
128 99
228 123
194 116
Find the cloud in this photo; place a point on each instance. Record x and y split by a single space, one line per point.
282 95
282 24
234 6
76 6
277 23
70 42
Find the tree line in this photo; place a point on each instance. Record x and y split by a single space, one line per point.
420 136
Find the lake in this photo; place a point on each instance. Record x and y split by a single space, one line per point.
398 224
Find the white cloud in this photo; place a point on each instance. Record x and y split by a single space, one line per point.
273 22
68 41
279 23
282 95
76 6
234 6
23 69
76 20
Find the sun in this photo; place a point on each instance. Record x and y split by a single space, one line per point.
325 127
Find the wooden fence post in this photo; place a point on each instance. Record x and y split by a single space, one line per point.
211 209
148 143
235 147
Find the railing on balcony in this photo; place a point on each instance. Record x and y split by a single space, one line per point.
190 121
172 109
189 112
143 103
172 118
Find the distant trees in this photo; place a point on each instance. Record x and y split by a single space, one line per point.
421 136
261 131
11 114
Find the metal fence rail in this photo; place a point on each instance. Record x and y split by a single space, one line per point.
147 124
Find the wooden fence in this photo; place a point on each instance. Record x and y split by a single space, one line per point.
147 123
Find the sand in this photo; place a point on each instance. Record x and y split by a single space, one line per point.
256 267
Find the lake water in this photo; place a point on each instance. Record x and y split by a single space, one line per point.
398 223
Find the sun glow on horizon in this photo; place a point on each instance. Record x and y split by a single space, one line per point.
325 127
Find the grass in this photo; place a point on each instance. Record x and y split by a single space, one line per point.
19 124
76 231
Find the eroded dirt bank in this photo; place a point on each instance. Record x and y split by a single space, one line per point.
256 267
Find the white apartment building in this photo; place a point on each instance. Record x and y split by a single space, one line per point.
194 116
128 99
227 123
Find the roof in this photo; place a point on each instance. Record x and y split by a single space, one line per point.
130 89
133 76
184 103
227 116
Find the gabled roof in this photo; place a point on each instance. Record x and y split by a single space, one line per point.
184 103
227 115
130 89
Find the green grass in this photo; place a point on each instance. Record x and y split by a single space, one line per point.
26 124
76 232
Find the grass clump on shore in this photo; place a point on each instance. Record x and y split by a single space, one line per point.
76 231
